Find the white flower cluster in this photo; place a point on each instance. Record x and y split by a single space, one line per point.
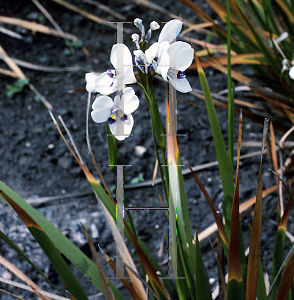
166 57
285 66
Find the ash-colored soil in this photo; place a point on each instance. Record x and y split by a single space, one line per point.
35 162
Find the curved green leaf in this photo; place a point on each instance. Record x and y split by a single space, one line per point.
62 243
12 245
286 280
202 289
70 282
220 148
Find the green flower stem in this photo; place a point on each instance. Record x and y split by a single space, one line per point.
159 164
157 128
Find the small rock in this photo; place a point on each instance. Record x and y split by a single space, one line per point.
94 232
23 161
79 238
7 275
37 129
43 59
140 150
64 162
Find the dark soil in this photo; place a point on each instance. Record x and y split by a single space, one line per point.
36 163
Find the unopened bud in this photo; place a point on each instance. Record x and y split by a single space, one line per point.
154 25
138 23
282 37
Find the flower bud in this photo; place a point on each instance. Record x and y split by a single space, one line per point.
154 25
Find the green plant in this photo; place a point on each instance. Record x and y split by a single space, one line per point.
17 87
262 39
188 280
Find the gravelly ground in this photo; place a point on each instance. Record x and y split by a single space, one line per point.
36 163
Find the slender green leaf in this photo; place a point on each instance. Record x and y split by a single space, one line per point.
186 285
13 246
279 250
217 219
261 289
230 91
62 243
255 236
70 282
286 280
220 148
202 289
277 260
104 280
235 274
235 289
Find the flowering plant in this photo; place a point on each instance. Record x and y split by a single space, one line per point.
186 277
165 57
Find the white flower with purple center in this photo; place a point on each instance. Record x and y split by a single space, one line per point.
171 58
106 83
172 63
167 57
117 113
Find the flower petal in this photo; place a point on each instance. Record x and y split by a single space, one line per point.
127 55
129 76
181 55
170 31
104 84
163 60
152 52
90 82
125 127
101 109
291 73
181 85
131 101
140 60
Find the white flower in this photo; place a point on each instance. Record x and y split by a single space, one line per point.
168 58
117 113
90 82
174 57
170 31
171 59
178 57
106 83
291 72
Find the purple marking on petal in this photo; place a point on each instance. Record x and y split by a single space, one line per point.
140 64
125 118
111 121
181 75
111 73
